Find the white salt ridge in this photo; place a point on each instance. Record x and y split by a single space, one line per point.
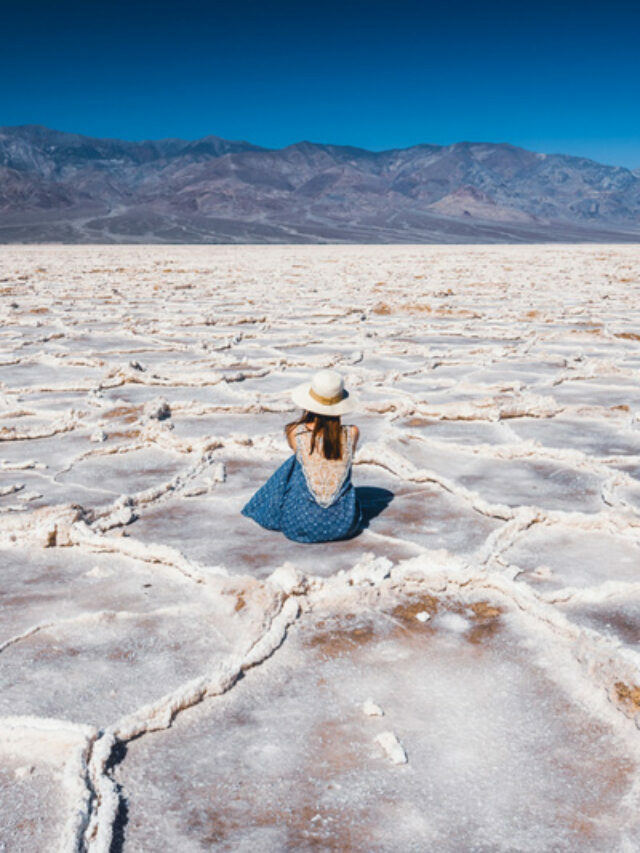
11 489
158 409
370 570
160 715
19 466
59 746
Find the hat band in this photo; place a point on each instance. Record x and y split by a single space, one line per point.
326 401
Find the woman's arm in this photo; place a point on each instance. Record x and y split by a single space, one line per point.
291 439
355 437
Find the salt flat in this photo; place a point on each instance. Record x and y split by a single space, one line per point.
174 677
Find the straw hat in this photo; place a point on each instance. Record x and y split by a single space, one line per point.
324 395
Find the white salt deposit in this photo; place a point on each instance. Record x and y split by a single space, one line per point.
392 748
164 658
371 709
454 622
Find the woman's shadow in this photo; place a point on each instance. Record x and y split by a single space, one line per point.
372 501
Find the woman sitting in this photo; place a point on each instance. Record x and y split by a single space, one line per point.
310 497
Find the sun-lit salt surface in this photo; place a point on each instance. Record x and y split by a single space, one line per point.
498 757
490 607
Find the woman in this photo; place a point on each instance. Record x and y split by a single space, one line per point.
310 497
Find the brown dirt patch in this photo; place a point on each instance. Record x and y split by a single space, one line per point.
589 330
482 611
54 653
486 618
127 433
406 611
628 696
307 821
464 313
122 655
302 828
128 414
415 308
418 422
404 307
333 637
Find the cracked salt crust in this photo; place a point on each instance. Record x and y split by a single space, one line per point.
499 407
290 743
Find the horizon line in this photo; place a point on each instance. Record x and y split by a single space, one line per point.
461 142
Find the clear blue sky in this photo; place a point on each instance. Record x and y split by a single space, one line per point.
561 76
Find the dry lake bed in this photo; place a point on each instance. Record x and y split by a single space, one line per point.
462 676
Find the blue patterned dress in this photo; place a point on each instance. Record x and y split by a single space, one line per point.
310 498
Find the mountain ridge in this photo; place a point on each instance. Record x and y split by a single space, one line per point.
65 187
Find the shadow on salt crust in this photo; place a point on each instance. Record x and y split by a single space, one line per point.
212 532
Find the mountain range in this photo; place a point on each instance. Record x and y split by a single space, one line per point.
64 187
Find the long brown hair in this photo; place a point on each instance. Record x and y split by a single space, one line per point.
327 426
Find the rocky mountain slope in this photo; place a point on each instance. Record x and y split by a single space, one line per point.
63 187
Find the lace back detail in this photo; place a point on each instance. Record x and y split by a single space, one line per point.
324 477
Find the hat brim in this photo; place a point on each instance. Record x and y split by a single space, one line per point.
301 397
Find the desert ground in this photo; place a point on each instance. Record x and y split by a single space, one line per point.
464 675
